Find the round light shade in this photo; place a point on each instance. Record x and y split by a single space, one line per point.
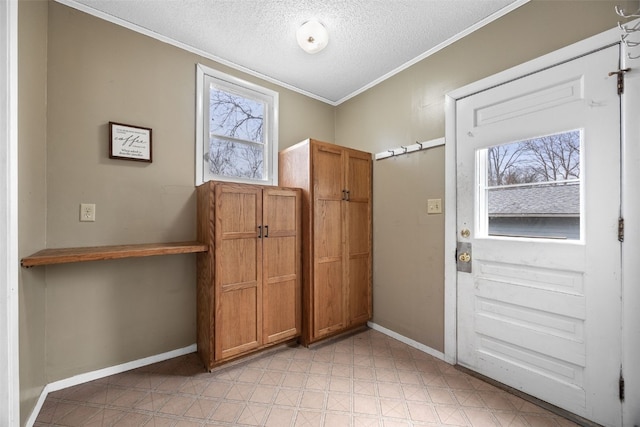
312 36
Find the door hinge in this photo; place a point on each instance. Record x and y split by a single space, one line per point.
620 74
621 229
621 387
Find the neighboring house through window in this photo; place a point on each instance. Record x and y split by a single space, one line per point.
236 125
532 188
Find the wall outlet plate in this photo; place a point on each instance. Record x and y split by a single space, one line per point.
87 212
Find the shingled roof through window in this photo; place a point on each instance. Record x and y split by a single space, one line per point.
555 200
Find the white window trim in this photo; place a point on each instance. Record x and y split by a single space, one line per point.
271 125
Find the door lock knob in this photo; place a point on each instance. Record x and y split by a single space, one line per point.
463 257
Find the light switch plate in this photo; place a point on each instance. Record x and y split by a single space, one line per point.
434 206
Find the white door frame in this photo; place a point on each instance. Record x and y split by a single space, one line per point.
631 245
9 326
630 174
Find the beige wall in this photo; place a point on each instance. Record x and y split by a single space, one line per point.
408 244
77 74
32 134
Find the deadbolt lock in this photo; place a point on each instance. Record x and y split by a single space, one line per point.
464 257
465 232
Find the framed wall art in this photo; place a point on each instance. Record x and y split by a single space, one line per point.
129 142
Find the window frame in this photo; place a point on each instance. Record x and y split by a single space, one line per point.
204 75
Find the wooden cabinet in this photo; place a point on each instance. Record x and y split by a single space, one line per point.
249 281
337 234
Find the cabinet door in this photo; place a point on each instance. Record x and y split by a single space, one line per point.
281 264
359 237
238 272
328 231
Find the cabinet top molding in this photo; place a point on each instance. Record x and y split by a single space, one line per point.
311 141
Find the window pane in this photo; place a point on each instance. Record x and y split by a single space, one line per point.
533 187
235 159
235 116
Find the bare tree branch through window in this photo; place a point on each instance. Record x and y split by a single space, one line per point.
236 145
545 159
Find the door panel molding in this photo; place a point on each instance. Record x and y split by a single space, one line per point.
563 93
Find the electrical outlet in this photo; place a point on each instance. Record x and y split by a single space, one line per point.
434 206
87 212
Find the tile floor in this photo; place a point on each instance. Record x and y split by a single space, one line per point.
366 379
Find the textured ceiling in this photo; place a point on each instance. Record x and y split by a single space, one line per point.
369 40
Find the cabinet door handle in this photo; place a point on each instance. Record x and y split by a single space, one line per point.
348 198
344 194
266 231
259 232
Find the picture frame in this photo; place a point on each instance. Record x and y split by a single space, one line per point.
128 142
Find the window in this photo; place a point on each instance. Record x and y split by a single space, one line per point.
236 128
532 188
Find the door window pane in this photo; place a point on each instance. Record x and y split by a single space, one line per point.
532 187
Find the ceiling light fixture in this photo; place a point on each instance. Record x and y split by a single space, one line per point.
312 36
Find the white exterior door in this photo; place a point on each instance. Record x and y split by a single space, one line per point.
538 202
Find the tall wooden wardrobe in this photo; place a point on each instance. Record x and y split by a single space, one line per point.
337 234
249 281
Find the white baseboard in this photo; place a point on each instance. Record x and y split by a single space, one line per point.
101 373
415 344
